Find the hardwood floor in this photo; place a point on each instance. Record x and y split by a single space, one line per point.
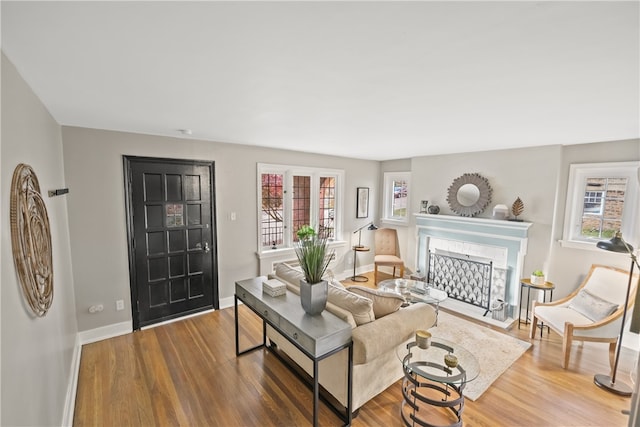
186 373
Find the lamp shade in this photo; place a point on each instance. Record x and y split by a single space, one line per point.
372 227
616 244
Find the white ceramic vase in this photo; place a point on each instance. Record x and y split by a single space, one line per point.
537 280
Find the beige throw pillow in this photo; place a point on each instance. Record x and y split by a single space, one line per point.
289 274
383 302
592 306
361 308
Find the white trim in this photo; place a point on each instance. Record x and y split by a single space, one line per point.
105 332
498 223
227 302
72 387
388 197
578 174
269 258
288 172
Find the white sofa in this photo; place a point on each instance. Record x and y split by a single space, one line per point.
375 339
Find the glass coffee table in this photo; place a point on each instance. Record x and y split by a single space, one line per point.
415 291
435 376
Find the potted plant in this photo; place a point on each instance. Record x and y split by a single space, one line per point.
314 256
537 278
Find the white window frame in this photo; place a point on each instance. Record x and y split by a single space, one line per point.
578 175
389 178
288 172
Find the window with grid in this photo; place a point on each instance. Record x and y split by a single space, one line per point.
271 214
396 196
326 224
301 203
291 197
602 198
602 209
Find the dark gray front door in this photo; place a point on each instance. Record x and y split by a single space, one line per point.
172 238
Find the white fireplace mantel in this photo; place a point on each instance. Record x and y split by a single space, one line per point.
508 235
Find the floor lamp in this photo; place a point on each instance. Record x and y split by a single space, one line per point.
370 226
617 244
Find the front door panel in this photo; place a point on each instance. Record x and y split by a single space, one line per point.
173 246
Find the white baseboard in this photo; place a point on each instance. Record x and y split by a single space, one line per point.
72 387
226 302
104 332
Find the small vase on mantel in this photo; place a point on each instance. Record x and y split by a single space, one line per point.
314 297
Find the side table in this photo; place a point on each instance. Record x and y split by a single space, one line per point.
358 278
526 283
435 376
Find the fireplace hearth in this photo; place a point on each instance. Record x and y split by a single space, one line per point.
500 244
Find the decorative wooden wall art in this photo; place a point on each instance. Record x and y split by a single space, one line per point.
31 240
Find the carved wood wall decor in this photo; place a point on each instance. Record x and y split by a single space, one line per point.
31 240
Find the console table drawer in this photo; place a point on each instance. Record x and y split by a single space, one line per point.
298 336
258 305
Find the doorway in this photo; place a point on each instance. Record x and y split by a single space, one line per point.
171 232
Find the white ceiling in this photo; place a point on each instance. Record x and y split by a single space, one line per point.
371 80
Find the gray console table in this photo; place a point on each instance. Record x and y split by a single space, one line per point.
318 337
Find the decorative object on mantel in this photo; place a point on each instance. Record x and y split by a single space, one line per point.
517 208
469 194
423 206
31 240
434 209
500 212
314 256
537 278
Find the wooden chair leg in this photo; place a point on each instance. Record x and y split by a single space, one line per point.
402 271
375 274
534 325
566 344
612 354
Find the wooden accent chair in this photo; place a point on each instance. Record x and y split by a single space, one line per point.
387 252
592 312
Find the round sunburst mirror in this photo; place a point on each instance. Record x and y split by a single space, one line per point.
31 240
469 194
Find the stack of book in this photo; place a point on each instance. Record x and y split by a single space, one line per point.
274 287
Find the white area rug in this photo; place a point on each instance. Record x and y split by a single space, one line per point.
495 351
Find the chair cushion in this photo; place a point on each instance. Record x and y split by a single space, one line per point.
387 260
383 302
591 306
360 307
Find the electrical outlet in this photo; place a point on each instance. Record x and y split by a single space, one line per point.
96 308
119 305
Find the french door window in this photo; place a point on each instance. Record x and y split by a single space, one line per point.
290 197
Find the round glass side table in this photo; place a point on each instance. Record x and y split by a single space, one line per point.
435 376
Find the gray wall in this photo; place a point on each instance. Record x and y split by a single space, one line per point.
94 173
567 265
37 353
539 176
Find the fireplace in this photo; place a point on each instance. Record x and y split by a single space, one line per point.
461 277
500 243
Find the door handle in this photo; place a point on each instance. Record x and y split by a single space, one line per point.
206 248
